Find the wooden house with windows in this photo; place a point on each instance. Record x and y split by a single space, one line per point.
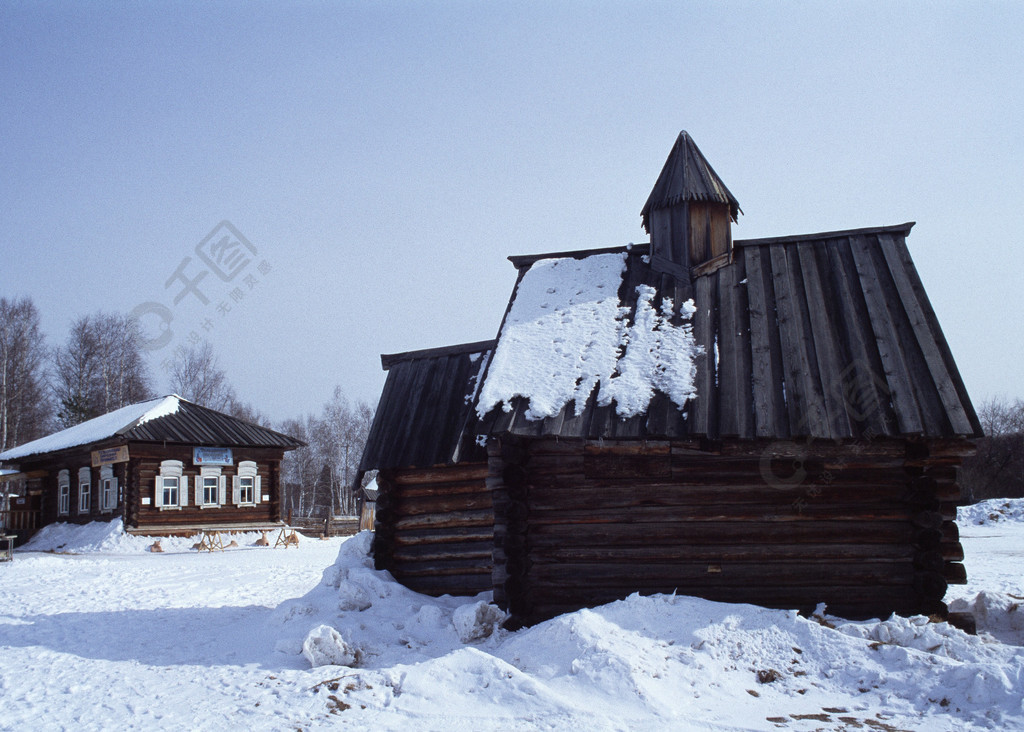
774 421
165 466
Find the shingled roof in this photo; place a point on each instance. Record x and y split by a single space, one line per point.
687 176
168 419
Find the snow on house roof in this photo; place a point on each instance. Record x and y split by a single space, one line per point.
99 428
567 333
826 335
168 419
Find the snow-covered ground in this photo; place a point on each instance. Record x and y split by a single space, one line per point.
108 635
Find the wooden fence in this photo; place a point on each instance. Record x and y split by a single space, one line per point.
19 520
337 526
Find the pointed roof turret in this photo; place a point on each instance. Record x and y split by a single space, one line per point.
687 176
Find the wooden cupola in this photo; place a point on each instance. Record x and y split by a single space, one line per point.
688 213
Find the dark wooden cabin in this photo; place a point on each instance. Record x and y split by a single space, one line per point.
165 466
812 459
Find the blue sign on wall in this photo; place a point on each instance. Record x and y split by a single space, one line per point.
212 456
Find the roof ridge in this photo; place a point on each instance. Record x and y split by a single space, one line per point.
894 229
389 359
523 260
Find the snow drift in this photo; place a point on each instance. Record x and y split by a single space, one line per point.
666 658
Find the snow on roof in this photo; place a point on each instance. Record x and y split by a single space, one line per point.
567 332
97 429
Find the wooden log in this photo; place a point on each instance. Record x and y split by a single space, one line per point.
439 474
810 511
441 503
557 464
441 567
458 585
928 561
431 552
447 535
619 465
462 518
632 447
930 584
928 520
603 497
641 555
559 446
467 487
740 574
952 551
723 533
955 573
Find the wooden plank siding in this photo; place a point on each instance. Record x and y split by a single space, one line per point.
435 528
581 522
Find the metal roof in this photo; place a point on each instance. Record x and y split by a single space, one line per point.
687 176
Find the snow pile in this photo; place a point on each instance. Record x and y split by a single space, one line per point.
208 638
567 332
991 511
664 659
109 537
324 646
378 620
999 614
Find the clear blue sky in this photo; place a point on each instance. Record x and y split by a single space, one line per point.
384 158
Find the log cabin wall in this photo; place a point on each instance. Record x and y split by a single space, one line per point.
73 461
435 528
865 527
145 465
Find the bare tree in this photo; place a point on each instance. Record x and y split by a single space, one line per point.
999 416
996 470
24 403
100 368
319 475
197 376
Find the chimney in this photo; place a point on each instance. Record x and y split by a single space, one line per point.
688 212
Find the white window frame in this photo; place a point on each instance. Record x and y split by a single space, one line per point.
246 469
208 472
84 490
63 493
170 470
108 489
